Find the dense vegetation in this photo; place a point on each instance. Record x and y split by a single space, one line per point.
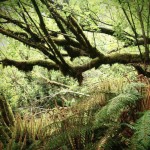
74 75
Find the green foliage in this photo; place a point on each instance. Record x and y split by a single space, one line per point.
33 89
75 132
91 123
112 111
51 111
141 138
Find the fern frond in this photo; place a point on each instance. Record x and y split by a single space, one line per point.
119 103
114 108
133 88
141 138
74 132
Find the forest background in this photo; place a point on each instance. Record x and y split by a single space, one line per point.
74 74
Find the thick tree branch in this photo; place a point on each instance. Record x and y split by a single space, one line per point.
28 65
76 70
74 41
75 52
112 59
140 70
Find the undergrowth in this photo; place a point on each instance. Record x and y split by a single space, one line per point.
108 119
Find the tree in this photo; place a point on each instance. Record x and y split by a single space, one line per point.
69 40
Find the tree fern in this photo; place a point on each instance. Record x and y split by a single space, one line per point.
141 138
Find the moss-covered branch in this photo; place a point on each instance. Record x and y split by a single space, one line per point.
75 71
125 58
28 42
74 42
28 65
140 70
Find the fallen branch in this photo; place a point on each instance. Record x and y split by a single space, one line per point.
64 92
53 82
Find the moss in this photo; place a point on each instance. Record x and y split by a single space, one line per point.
21 65
123 58
27 66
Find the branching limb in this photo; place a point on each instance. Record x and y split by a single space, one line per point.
53 82
28 42
28 65
140 70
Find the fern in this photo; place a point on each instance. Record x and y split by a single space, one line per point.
120 103
73 133
112 111
77 131
141 138
133 88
